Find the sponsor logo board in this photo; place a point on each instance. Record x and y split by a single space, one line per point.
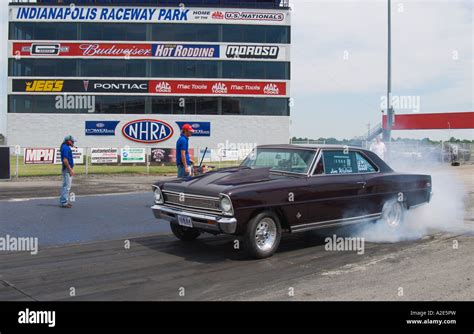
100 128
104 155
147 131
201 129
153 87
149 51
77 155
132 155
166 155
186 51
145 15
214 87
34 156
79 86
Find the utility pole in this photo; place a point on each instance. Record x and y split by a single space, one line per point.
390 113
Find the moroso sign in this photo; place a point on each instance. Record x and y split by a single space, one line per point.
147 131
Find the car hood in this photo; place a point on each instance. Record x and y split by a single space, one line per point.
222 180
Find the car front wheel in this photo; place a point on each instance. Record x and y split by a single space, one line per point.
184 233
393 213
263 235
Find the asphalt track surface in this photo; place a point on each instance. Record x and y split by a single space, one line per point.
110 247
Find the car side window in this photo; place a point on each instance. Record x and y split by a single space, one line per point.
363 165
339 162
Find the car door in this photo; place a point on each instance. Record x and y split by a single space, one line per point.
336 187
378 186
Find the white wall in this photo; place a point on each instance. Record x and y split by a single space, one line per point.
48 130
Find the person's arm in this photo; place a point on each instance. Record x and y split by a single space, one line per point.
69 168
185 163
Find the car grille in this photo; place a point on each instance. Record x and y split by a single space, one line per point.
192 202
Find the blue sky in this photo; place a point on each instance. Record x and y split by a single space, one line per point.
339 63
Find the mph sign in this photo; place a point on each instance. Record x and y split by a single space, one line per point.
147 131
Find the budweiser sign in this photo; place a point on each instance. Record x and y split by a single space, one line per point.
83 49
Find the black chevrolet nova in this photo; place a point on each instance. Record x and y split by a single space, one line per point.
289 188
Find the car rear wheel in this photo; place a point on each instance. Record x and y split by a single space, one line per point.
184 233
393 213
263 235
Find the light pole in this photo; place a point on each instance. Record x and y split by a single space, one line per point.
390 113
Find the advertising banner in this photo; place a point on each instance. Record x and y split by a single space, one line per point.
151 87
100 128
104 155
77 155
201 129
39 156
168 50
216 87
132 155
126 14
166 155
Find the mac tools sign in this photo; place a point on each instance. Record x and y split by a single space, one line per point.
201 129
147 131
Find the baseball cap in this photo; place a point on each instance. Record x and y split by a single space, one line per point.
69 137
188 128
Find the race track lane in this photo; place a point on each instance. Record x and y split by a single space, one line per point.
154 268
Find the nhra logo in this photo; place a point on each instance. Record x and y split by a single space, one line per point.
147 131
163 87
219 88
252 51
217 15
44 86
271 89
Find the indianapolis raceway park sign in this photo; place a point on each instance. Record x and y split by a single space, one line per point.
148 15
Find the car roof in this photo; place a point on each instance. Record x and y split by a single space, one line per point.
311 146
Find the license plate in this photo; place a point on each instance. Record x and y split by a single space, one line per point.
185 221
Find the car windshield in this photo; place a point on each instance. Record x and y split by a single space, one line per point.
280 159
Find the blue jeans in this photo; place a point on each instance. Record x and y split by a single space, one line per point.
66 187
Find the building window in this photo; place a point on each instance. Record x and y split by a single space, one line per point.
116 104
228 69
159 32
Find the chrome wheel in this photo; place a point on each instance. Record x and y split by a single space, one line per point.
266 234
392 213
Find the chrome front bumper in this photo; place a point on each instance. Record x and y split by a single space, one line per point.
227 225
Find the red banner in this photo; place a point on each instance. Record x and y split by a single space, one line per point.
449 120
217 87
82 49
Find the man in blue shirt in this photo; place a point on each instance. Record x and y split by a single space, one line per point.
183 162
67 170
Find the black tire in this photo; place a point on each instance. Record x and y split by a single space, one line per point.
184 233
393 213
266 243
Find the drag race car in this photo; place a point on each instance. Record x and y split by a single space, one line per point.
289 188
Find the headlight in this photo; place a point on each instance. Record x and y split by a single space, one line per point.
158 196
226 205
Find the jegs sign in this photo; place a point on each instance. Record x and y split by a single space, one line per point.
147 131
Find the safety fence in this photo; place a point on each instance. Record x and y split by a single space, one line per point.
46 161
